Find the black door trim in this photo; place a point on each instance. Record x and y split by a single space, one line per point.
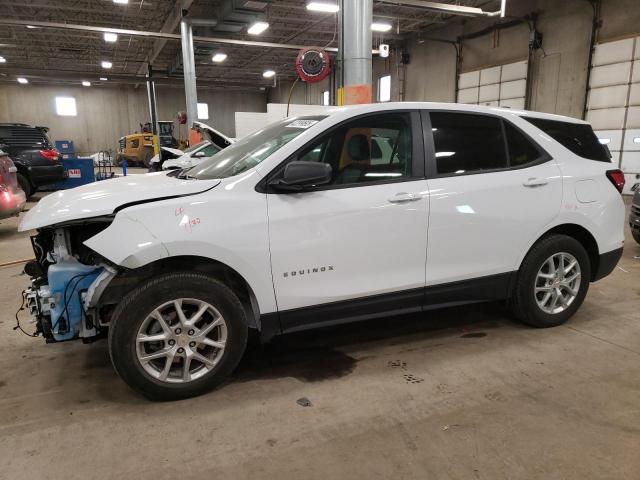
492 287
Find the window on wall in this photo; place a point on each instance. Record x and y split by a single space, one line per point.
203 111
384 88
325 100
66 106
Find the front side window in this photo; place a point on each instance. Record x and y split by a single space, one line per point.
195 147
467 143
210 150
252 149
577 137
368 149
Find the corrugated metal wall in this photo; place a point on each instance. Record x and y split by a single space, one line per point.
614 102
503 85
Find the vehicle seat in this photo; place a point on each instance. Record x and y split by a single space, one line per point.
359 153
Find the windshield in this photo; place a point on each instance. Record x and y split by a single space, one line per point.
194 147
252 149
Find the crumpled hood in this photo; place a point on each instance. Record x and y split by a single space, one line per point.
103 197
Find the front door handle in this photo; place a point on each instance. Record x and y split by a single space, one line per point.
535 182
404 197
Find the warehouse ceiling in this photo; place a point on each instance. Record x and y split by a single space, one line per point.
66 56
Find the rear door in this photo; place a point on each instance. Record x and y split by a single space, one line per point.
357 246
492 191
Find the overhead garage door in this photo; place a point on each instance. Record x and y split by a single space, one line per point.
614 103
504 86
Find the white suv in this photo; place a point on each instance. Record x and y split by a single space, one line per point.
316 220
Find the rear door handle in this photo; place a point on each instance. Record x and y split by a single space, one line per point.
535 182
404 197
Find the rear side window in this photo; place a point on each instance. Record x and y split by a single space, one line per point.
467 143
521 150
24 136
579 138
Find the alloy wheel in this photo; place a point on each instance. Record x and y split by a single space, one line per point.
557 283
181 340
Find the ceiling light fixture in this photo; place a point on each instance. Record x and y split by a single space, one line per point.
85 83
22 80
326 7
103 79
268 73
381 27
219 57
31 27
3 60
257 28
122 2
110 37
106 64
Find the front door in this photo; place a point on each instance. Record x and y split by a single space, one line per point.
358 245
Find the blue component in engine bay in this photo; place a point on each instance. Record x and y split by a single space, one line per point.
67 281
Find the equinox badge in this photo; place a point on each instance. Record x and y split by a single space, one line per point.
328 268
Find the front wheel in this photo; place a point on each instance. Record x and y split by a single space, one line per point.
177 336
552 282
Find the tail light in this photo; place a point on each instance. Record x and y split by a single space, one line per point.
617 178
50 154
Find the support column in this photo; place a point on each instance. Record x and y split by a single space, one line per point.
153 111
189 68
355 51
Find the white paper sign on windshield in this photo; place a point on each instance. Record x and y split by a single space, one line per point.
302 123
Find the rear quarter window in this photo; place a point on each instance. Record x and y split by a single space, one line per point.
577 137
24 136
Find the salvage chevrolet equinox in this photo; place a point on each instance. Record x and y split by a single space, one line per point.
357 213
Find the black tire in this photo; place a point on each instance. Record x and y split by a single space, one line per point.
137 305
636 235
25 185
148 155
523 301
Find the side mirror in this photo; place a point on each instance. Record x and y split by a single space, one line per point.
301 175
199 154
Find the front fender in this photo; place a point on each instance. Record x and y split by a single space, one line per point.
128 243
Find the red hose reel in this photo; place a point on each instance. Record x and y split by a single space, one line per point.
313 64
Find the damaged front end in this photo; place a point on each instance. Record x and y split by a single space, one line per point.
67 281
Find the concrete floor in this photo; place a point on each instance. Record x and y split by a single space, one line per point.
460 393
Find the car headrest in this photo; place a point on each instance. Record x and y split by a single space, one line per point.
358 148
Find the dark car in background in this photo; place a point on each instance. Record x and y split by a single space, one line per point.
12 198
634 216
34 155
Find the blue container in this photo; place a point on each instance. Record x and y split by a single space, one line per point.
67 281
79 171
65 146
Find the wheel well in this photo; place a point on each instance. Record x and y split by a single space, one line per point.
123 283
583 236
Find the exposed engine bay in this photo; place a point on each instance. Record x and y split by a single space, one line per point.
67 280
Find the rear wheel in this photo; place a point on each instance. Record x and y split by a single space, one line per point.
552 282
177 336
25 185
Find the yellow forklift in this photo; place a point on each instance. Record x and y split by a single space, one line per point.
139 148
